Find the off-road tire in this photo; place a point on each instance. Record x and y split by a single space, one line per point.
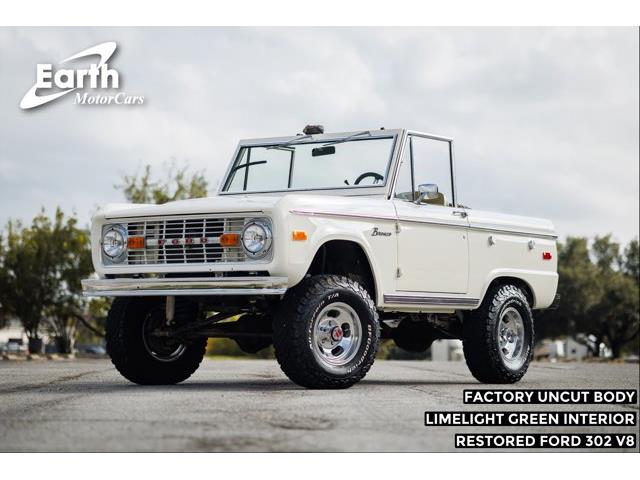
293 324
126 347
480 336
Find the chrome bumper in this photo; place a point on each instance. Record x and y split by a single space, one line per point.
141 287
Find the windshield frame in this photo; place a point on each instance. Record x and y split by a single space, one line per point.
381 188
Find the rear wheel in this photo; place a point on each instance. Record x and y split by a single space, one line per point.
326 332
499 337
139 353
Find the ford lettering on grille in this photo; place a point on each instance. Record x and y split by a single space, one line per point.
186 240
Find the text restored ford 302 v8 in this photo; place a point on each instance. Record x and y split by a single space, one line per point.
322 245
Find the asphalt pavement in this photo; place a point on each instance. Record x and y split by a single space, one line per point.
249 405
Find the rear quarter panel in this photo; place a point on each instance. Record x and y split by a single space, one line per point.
511 246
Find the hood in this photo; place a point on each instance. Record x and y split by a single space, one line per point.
218 204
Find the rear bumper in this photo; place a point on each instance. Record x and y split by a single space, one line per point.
141 287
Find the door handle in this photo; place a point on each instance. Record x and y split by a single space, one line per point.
461 214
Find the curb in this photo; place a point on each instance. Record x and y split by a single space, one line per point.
34 357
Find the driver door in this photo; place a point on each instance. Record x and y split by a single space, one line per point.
432 243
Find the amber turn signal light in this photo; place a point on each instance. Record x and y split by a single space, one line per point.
135 242
299 235
229 239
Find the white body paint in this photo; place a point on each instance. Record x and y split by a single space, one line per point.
423 257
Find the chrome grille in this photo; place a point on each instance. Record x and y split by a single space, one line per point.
184 241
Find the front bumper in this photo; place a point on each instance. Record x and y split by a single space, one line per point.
141 287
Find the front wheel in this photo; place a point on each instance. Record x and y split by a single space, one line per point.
139 353
326 332
498 337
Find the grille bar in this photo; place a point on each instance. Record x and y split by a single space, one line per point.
184 241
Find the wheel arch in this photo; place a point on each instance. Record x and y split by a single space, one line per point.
511 280
345 257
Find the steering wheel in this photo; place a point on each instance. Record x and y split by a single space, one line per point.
376 177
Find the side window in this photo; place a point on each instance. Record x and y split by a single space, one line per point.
432 165
404 185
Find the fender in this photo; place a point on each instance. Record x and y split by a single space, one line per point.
381 257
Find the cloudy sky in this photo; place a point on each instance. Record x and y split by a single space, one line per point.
545 120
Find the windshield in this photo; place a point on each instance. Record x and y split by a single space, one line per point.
353 161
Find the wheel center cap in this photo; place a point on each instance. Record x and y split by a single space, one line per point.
336 334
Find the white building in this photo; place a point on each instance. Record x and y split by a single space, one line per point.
446 350
12 331
565 349
574 350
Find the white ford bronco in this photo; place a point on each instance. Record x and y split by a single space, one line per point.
322 245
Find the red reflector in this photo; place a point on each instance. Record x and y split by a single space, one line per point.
546 255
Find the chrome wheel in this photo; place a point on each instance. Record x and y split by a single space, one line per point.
511 338
164 349
336 335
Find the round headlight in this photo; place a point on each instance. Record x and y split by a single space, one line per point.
114 241
256 238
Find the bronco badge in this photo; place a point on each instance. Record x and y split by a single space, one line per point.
377 233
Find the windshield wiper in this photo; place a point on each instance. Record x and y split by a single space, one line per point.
350 137
247 165
290 142
304 137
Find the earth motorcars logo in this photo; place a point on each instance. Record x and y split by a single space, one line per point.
52 84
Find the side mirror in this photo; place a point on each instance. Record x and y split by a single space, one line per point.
427 191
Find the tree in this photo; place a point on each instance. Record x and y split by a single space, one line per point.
599 291
178 184
95 318
24 277
74 252
606 253
4 314
40 274
631 260
41 266
618 313
579 292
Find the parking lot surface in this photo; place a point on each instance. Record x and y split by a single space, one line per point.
247 405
